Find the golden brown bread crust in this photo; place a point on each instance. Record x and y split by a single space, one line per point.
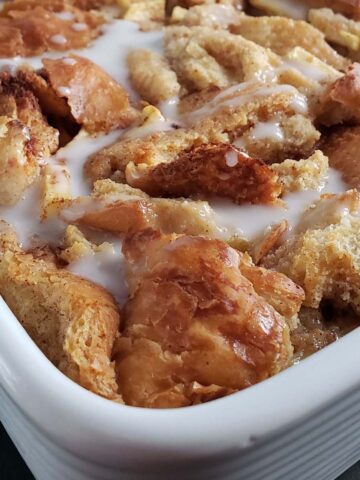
218 169
277 289
192 319
96 101
72 320
28 27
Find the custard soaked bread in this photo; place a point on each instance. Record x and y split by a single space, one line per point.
175 175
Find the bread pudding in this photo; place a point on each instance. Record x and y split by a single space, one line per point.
179 188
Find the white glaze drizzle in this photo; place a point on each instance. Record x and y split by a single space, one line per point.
105 267
79 27
249 221
24 217
267 130
243 93
77 152
65 16
58 39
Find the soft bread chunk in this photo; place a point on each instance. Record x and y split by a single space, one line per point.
31 27
323 254
218 169
307 174
73 321
152 76
195 327
343 150
95 99
283 34
119 208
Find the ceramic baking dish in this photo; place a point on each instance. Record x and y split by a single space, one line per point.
302 424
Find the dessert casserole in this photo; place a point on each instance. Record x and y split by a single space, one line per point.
179 182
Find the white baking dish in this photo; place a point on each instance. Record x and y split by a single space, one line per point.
302 424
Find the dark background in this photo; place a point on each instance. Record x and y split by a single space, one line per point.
13 468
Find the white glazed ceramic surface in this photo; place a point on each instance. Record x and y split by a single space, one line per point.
302 424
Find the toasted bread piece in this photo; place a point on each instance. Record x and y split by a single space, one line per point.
56 188
75 245
306 174
152 76
30 28
273 238
171 5
221 117
283 34
343 150
193 319
218 169
96 101
203 57
346 90
277 289
214 15
336 28
119 208
149 14
279 137
73 321
323 254
25 138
